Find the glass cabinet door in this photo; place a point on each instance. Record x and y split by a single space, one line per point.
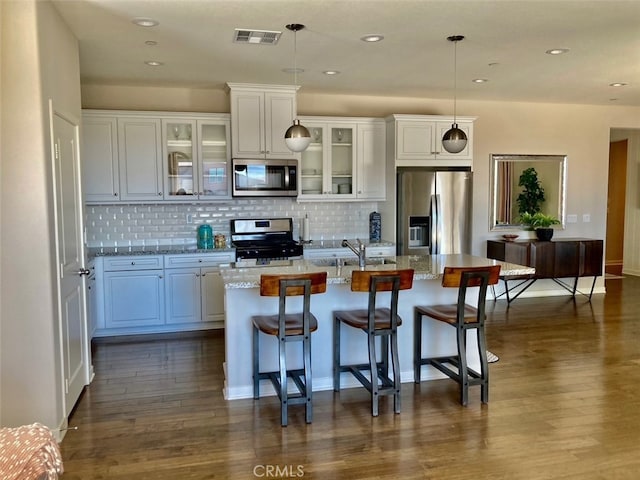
342 160
178 136
214 175
312 162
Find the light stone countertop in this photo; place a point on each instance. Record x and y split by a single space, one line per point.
152 250
337 243
426 267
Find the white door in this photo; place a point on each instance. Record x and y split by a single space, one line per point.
70 259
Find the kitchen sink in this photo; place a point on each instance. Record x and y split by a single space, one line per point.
332 262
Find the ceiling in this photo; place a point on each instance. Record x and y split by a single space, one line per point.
505 43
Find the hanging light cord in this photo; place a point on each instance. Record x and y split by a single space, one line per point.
455 77
295 57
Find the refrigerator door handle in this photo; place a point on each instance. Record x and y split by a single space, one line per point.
434 214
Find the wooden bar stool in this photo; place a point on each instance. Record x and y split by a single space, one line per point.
375 322
462 317
288 327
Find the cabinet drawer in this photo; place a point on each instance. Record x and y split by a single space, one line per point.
198 260
389 251
137 262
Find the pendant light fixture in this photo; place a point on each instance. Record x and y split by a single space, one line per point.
297 136
454 140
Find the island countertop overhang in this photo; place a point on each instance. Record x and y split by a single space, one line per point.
426 267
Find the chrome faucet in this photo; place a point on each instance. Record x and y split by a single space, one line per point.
360 251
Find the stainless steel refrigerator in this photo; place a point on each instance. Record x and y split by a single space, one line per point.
433 211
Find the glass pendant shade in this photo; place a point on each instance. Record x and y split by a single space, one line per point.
297 137
454 140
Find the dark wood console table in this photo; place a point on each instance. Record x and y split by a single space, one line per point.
557 259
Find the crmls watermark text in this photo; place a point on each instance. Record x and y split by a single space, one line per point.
278 471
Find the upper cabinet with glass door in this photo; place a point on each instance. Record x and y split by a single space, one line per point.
196 158
327 167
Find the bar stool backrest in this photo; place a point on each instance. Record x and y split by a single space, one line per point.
453 276
361 280
382 281
270 285
464 277
290 285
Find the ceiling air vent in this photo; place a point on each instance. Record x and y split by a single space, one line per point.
259 37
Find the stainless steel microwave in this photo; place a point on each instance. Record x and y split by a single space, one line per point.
265 178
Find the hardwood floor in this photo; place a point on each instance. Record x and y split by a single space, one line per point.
564 404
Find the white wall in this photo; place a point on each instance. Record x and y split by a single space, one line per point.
39 61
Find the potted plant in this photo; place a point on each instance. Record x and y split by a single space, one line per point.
541 223
532 196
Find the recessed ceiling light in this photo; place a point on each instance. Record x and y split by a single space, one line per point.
150 42
331 72
145 22
372 38
480 80
557 51
154 63
618 84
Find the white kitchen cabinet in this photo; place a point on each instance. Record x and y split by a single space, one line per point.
328 165
372 251
133 292
417 140
196 158
194 288
99 152
139 159
370 160
260 116
155 156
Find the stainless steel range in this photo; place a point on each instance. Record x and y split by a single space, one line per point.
264 241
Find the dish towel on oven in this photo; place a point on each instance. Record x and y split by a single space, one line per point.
29 452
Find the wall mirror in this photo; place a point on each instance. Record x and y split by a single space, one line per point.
549 171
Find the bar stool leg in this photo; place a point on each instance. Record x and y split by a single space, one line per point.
308 387
282 350
256 363
336 354
395 364
374 373
462 368
384 355
417 346
484 365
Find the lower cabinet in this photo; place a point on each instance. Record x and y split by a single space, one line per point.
194 295
161 293
134 298
388 250
194 289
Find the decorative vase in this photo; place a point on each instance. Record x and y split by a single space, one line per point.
544 234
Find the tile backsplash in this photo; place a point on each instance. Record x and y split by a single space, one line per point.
176 224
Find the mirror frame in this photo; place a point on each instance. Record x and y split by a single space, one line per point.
561 160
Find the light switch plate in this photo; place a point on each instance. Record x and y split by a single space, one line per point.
572 218
586 217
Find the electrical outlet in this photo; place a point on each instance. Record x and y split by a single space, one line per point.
586 218
189 217
572 218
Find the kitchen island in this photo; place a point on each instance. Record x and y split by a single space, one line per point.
242 300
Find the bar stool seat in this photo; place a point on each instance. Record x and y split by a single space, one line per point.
380 322
462 317
288 327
